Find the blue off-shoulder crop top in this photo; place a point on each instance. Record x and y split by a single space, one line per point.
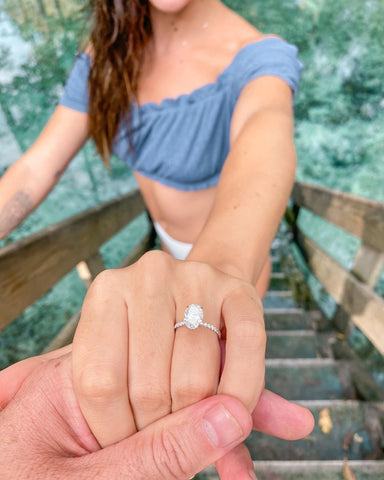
183 142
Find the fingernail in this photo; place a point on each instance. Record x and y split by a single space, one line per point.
252 474
221 427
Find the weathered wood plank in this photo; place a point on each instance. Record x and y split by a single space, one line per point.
30 267
361 217
364 306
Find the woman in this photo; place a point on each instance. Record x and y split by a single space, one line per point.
199 103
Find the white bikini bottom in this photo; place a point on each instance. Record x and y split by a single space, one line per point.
179 250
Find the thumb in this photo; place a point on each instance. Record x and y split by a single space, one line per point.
177 446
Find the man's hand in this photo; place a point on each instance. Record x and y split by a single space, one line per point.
44 435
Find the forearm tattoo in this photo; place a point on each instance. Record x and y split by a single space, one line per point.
14 212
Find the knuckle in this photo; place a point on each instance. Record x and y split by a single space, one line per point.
171 455
153 260
147 400
103 280
152 270
100 384
188 393
246 288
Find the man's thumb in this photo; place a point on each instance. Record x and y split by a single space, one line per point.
177 446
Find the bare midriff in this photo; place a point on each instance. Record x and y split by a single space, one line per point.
182 214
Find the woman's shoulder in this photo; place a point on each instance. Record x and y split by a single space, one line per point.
256 54
241 32
247 45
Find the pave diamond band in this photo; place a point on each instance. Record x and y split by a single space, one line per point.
193 318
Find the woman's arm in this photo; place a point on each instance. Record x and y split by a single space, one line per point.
255 183
28 181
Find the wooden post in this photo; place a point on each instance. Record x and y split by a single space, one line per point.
342 322
362 305
368 265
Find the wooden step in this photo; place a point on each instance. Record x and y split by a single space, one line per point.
309 470
356 433
309 379
276 264
278 281
279 299
319 470
279 293
291 318
291 344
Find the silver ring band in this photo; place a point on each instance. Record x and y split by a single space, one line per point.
203 324
193 318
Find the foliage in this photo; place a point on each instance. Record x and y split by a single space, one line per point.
340 105
30 96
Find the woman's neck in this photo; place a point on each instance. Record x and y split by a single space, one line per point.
173 31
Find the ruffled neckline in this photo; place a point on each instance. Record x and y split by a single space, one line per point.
200 92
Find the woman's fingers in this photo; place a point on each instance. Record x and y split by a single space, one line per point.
131 367
274 415
236 464
151 337
99 356
243 373
196 356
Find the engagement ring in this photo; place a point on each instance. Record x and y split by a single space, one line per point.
193 318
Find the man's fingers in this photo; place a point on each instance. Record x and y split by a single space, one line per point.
177 446
281 418
12 378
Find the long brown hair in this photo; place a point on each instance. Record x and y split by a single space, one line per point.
120 31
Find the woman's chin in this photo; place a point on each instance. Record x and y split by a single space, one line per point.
169 6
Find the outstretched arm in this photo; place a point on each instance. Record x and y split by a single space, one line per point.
29 180
255 183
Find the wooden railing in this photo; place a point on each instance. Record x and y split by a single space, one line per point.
352 290
31 266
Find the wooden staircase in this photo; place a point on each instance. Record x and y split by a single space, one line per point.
301 366
307 360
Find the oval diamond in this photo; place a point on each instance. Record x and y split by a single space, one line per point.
193 316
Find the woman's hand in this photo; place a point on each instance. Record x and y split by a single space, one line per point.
131 367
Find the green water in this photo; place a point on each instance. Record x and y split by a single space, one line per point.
339 124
